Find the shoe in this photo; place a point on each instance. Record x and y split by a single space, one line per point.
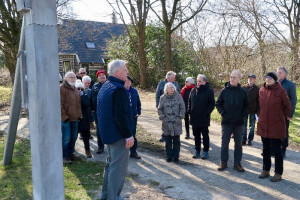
187 137
169 159
91 137
135 155
88 153
249 143
67 161
222 166
196 154
238 167
162 139
74 157
276 178
205 155
264 174
176 160
244 143
100 150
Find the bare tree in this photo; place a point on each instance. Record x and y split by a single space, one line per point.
64 9
251 13
137 11
287 13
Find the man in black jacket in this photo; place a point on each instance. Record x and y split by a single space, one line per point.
200 105
101 76
232 105
253 108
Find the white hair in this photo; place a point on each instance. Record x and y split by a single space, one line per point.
115 65
82 69
170 74
167 85
190 79
79 84
86 78
68 73
202 76
238 72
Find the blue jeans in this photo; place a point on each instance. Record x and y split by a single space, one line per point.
100 143
69 135
251 127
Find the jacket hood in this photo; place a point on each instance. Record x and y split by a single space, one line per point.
227 85
274 86
202 87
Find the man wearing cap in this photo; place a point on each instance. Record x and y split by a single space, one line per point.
170 77
70 113
290 89
135 105
253 108
101 76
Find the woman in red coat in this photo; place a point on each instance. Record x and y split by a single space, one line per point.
274 108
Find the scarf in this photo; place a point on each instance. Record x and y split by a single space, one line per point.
186 88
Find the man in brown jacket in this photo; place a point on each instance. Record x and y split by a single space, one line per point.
70 113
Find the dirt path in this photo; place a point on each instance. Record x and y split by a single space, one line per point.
153 178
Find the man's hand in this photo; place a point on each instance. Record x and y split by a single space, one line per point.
289 118
129 142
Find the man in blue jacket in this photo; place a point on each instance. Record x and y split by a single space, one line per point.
290 89
170 77
113 110
135 105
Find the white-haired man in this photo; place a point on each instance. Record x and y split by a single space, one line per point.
70 113
113 110
170 77
232 105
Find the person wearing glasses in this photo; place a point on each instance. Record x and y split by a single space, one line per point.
275 106
81 73
84 123
232 105
70 113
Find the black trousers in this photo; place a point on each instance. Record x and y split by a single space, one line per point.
275 144
187 124
86 139
172 146
197 131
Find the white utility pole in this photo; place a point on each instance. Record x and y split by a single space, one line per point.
41 68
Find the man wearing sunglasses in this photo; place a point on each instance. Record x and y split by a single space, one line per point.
81 73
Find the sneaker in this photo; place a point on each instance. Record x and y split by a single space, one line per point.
135 155
88 153
205 155
244 143
176 160
169 159
196 154
264 174
276 178
162 139
67 161
100 150
91 137
249 143
238 167
222 166
187 137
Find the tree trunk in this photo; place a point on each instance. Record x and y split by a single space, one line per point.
295 62
10 62
168 49
143 62
262 56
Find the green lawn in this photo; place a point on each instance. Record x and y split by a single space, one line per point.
82 178
294 130
5 95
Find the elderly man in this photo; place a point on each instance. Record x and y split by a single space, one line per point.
290 89
81 73
170 77
201 103
101 76
253 108
70 113
232 105
113 110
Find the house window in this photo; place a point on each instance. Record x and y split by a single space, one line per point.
67 66
90 45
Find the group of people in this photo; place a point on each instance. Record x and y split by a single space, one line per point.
272 105
115 105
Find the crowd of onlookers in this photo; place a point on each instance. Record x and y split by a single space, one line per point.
114 105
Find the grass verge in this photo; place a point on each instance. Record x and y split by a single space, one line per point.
82 178
5 95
